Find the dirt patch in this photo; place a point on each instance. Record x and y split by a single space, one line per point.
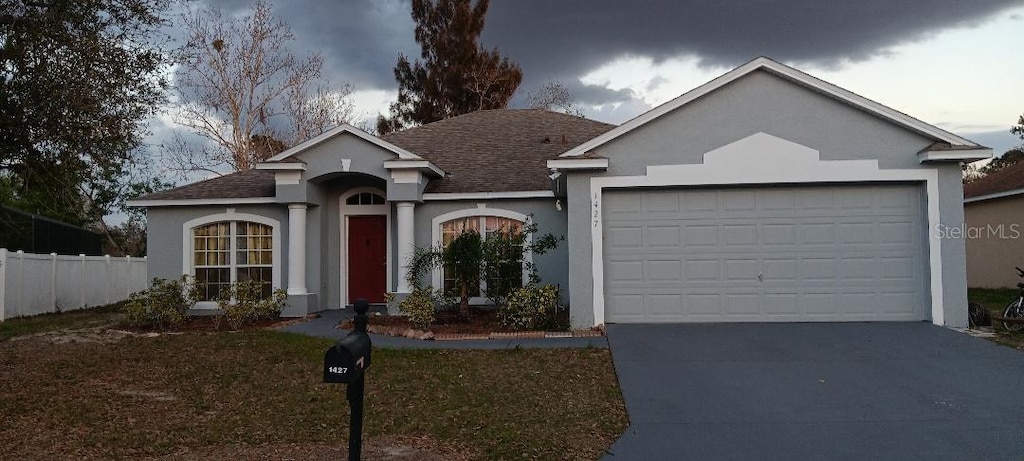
98 335
210 323
389 448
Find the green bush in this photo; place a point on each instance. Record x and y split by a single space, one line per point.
529 307
244 303
420 307
165 305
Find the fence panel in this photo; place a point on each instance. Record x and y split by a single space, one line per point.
33 284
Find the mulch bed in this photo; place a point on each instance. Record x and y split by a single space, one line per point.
480 321
481 324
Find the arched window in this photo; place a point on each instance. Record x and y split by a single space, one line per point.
365 198
228 252
510 273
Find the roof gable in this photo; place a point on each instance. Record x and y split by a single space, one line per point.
344 128
790 74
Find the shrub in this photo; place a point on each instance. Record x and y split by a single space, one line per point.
528 307
165 305
420 307
243 303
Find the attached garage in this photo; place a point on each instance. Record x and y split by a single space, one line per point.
766 195
763 254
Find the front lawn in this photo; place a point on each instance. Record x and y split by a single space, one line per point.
259 394
995 300
82 318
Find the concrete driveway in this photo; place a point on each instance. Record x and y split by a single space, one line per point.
816 391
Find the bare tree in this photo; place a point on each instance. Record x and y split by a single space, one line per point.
554 95
242 89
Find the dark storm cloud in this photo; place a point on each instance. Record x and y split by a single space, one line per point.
564 39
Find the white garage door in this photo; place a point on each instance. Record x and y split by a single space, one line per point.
771 254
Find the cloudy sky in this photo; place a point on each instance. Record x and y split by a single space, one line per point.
953 63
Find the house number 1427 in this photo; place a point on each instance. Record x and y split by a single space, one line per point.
337 370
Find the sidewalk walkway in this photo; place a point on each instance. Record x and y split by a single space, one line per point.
324 327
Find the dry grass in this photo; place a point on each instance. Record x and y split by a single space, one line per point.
84 318
258 394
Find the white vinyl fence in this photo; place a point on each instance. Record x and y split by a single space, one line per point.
34 284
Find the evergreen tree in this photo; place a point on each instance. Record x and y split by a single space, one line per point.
456 75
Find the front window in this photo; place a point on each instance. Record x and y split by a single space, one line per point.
510 273
231 252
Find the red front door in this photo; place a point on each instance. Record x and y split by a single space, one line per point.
367 258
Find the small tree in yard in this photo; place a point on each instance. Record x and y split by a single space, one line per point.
497 259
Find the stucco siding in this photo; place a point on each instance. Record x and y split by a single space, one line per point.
761 102
165 234
580 221
994 241
954 253
328 253
326 158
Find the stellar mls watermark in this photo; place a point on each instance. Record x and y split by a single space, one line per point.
1011 231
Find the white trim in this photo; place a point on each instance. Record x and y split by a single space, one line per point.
405 214
187 245
288 177
956 155
344 211
762 159
482 212
297 249
344 128
201 201
578 164
422 165
488 195
763 63
281 166
981 198
406 176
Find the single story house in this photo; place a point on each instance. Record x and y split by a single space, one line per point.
763 195
994 228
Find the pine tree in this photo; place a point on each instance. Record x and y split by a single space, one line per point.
456 75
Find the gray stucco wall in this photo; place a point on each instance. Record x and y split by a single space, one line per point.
954 251
164 234
552 266
761 102
325 248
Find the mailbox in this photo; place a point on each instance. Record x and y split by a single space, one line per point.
346 361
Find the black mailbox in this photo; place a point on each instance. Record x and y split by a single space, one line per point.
346 361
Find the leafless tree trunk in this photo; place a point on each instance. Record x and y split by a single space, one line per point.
239 84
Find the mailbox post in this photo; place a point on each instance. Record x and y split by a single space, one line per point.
346 362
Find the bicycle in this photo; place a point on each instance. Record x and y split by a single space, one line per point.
1015 310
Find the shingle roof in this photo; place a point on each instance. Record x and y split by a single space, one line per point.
1007 179
498 150
243 184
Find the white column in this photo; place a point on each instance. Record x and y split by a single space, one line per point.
406 242
297 249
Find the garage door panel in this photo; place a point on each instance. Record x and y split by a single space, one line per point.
766 254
